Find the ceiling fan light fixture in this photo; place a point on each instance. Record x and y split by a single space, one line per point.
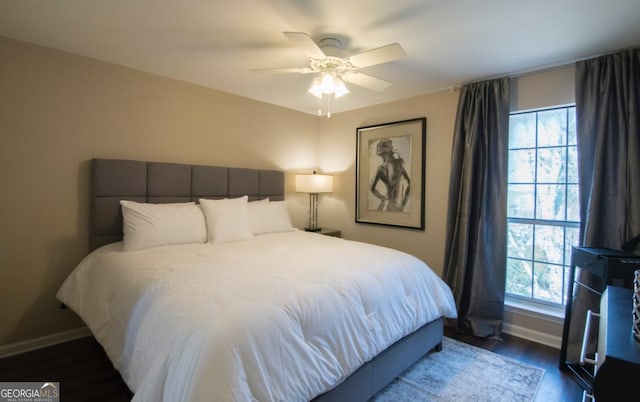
328 83
333 66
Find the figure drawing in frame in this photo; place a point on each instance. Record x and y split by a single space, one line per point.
391 182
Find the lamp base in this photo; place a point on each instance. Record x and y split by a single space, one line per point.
312 229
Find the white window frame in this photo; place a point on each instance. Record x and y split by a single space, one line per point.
519 302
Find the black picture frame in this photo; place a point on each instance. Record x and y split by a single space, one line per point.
390 173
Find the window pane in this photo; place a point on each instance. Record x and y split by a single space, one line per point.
550 201
570 240
573 204
521 166
520 200
549 244
547 282
572 165
551 165
571 123
518 277
520 240
522 130
552 127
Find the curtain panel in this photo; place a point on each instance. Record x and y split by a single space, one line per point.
608 128
475 255
608 134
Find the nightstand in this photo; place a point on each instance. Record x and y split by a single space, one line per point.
329 232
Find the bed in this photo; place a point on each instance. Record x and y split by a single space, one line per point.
277 315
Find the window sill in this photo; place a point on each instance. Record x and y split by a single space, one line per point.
534 309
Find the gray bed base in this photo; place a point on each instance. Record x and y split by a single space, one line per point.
113 180
384 368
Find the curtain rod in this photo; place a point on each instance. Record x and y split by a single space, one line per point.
542 68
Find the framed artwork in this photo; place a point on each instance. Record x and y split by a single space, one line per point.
390 161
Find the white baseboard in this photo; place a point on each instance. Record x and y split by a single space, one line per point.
42 342
532 335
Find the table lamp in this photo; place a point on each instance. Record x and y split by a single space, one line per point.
314 184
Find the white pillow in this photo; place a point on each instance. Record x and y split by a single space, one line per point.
151 225
269 217
227 220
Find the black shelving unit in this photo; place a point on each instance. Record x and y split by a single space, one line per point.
605 267
618 350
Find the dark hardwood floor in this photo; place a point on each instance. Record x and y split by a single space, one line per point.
85 373
81 366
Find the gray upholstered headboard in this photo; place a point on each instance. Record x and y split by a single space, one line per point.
113 180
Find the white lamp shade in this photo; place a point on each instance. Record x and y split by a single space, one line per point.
341 89
327 84
314 183
315 88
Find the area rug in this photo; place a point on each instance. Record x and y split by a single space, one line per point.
461 372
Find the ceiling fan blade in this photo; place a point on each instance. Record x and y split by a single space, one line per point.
300 70
378 55
367 81
308 45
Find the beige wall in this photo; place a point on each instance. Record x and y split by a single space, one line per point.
57 111
543 89
337 150
337 142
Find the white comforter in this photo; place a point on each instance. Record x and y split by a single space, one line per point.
280 317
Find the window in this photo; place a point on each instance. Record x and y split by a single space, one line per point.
542 213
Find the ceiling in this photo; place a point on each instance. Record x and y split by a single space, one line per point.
215 43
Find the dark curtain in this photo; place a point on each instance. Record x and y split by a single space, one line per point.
475 255
608 129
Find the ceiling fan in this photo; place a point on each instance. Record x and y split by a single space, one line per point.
328 60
